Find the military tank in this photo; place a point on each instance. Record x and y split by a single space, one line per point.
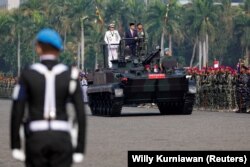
129 82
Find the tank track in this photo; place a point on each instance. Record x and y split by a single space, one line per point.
184 107
105 104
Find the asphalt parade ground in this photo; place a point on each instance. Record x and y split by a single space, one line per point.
109 139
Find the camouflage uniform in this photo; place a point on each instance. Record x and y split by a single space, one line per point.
198 94
210 93
230 91
214 90
248 91
241 92
204 91
234 81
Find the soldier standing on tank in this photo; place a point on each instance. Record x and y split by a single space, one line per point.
46 87
112 40
142 40
167 62
131 39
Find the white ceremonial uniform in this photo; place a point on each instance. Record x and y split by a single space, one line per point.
112 39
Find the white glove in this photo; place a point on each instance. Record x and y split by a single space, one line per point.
18 155
78 157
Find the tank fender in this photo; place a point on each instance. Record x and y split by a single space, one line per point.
191 86
115 89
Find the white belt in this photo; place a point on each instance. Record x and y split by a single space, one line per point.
43 125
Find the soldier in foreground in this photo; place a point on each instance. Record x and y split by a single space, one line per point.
46 87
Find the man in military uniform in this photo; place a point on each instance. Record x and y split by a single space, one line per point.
142 40
140 31
167 62
46 87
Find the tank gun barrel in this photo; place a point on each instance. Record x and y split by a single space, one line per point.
151 57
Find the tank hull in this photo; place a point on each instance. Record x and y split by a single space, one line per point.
170 92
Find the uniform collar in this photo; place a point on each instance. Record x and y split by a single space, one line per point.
48 57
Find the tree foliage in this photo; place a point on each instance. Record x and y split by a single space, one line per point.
167 22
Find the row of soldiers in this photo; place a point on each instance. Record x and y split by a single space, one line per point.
6 85
7 81
222 88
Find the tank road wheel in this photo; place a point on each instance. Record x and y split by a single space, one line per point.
171 108
92 104
164 108
105 105
114 106
188 104
97 107
179 106
102 105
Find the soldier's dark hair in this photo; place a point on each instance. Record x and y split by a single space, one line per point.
47 47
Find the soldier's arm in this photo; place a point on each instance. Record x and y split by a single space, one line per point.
77 100
160 64
17 112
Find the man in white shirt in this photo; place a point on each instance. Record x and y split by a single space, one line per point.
84 84
112 39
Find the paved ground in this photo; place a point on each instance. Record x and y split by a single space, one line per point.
109 139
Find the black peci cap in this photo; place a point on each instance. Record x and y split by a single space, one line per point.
131 24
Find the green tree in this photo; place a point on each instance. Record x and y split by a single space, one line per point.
202 19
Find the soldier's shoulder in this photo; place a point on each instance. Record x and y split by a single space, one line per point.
26 69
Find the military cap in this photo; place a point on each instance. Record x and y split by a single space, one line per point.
166 49
112 25
51 37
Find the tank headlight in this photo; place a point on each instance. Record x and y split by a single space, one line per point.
118 92
192 89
